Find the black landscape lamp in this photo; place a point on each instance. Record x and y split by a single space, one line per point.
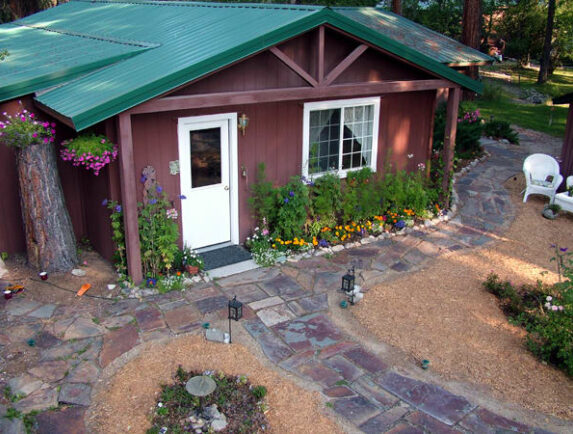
348 281
235 312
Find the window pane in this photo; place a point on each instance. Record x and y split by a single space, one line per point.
205 157
325 129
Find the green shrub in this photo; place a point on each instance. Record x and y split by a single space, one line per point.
468 133
404 190
325 199
292 203
492 91
500 130
259 392
263 198
361 199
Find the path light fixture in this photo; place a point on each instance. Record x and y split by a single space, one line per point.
235 312
243 123
348 281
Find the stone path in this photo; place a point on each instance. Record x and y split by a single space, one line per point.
286 313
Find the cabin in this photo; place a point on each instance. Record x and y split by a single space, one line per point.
204 92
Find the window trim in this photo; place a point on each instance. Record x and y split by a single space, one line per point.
334 104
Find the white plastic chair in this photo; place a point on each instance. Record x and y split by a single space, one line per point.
541 176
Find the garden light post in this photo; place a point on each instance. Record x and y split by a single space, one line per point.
235 312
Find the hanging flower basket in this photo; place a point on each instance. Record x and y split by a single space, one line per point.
91 151
22 130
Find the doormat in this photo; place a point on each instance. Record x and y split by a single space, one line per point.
224 256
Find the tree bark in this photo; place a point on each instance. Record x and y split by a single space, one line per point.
397 6
471 36
50 240
546 56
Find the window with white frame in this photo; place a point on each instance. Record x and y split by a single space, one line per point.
340 136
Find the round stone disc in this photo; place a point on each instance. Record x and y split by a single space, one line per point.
201 385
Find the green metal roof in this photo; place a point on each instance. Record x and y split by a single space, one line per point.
135 50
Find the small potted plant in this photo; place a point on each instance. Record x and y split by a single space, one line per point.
88 150
191 261
551 211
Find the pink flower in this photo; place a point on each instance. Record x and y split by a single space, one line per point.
554 308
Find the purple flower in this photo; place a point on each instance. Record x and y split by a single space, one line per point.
286 200
553 246
104 202
291 193
400 224
159 189
323 243
152 201
182 197
563 249
143 179
117 208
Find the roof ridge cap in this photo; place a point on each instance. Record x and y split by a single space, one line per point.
214 5
88 36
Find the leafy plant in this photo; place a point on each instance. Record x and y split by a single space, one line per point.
263 198
361 199
23 129
291 214
117 236
158 233
325 196
88 150
500 130
260 246
469 130
187 256
259 392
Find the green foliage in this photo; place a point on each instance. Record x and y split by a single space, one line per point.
361 199
12 413
292 203
468 133
89 144
260 245
4 256
263 198
187 256
4 54
443 16
23 129
492 91
500 130
117 236
404 190
325 197
158 233
546 312
259 392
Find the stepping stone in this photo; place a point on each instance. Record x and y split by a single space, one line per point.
246 293
149 319
344 367
309 332
51 371
44 312
338 392
66 350
403 428
314 303
296 308
429 424
170 305
484 421
117 321
194 294
118 342
401 267
20 306
430 399
212 304
14 426
366 360
273 347
267 302
275 315
75 394
356 409
179 319
85 372
383 421
370 390
293 362
121 307
319 373
159 334
327 282
67 420
337 348
283 286
315 264
46 340
41 399
24 385
252 276
82 328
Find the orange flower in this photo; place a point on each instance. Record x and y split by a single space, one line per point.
179 273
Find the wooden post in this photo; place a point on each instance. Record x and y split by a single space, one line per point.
450 141
320 77
567 150
129 198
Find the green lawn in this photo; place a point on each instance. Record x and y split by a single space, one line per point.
498 102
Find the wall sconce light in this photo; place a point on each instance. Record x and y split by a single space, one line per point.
243 123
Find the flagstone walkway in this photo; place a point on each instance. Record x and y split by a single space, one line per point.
286 312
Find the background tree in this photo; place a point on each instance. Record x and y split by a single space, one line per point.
397 6
546 54
471 35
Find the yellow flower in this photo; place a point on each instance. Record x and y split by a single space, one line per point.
274 246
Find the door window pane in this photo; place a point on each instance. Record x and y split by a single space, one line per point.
205 157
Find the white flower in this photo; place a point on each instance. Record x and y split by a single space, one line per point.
160 404
549 298
410 156
547 305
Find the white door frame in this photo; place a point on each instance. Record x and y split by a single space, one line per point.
183 126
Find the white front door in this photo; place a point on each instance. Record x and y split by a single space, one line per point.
207 146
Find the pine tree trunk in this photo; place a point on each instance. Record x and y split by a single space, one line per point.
397 6
546 56
471 36
50 240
